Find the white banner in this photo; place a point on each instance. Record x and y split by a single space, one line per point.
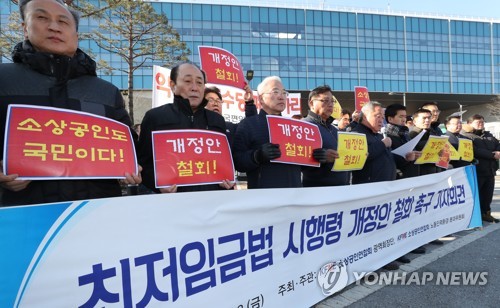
246 248
162 94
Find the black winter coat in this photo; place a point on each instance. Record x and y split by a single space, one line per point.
453 139
484 145
380 165
251 133
177 115
400 135
44 79
423 169
324 176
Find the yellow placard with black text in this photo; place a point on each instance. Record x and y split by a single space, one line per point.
353 151
432 150
465 149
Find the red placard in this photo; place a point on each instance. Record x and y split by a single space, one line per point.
361 97
221 67
191 157
297 140
53 143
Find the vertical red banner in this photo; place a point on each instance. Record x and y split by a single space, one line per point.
221 67
297 140
191 157
361 97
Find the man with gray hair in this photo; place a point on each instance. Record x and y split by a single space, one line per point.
252 151
380 165
50 70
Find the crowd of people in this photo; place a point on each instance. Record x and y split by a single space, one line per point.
49 69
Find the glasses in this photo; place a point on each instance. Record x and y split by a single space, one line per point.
277 92
324 101
214 101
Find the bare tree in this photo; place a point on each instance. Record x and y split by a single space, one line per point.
10 34
140 36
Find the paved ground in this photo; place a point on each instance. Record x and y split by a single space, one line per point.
467 251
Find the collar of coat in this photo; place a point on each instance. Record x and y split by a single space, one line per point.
61 67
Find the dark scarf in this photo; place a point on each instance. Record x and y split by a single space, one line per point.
398 130
62 68
478 132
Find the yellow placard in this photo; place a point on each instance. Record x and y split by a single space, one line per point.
432 149
454 155
353 151
465 149
337 109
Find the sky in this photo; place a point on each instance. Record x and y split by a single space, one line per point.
463 8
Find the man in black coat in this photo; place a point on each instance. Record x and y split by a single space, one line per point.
487 152
321 102
396 129
380 165
188 111
50 70
252 151
422 122
453 127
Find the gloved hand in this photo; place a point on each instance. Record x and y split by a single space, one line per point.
266 152
320 155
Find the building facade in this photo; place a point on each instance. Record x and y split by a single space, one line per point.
309 46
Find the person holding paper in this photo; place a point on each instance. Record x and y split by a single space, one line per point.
396 129
422 121
50 70
321 103
380 165
453 127
487 152
214 103
252 151
187 82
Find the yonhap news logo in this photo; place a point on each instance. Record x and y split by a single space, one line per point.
332 277
422 278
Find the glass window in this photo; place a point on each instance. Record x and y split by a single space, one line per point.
186 11
384 22
300 15
245 14
197 15
376 22
392 23
466 27
282 15
368 21
207 12
343 20
255 14
291 16
361 22
327 21
273 15
422 24
351 19
264 15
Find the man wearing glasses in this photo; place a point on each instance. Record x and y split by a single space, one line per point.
252 151
321 102
214 103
